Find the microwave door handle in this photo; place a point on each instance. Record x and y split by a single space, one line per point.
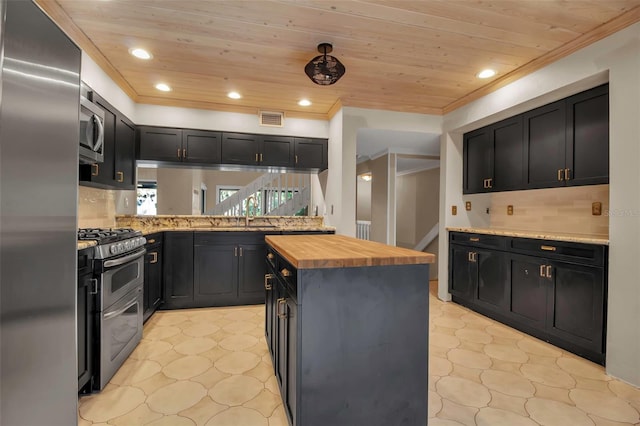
100 138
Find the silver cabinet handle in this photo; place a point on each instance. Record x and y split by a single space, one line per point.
549 271
282 302
267 281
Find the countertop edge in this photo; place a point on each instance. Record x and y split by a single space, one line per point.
547 236
412 258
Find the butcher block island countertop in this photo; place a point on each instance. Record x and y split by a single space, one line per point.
338 251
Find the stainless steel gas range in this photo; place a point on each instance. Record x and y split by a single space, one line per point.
118 269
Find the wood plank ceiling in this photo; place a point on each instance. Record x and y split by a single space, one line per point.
401 55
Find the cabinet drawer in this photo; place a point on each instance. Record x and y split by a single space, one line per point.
480 240
154 239
590 254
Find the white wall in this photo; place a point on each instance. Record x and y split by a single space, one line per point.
616 59
341 190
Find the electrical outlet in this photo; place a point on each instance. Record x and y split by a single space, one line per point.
596 208
467 205
454 210
510 210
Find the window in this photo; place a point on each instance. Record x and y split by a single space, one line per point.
147 198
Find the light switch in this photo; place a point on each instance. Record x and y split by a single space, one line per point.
454 210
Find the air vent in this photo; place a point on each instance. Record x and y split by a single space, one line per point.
271 119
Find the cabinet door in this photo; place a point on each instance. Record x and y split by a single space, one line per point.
152 279
85 330
125 151
528 288
290 401
310 153
492 290
251 270
240 148
588 137
477 161
277 151
269 320
160 144
576 306
544 133
282 336
508 155
178 269
462 273
216 274
201 146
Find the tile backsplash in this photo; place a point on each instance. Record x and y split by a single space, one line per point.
96 208
562 210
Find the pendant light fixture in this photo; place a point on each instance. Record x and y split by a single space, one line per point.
324 69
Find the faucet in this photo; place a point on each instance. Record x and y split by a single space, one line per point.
255 207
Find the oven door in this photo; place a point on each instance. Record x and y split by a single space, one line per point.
120 276
120 333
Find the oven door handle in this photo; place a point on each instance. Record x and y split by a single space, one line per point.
125 259
121 311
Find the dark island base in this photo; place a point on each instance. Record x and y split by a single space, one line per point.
362 346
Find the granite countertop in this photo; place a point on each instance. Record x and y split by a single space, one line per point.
153 229
551 236
339 251
86 244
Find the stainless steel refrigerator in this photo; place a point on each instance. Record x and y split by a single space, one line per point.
39 128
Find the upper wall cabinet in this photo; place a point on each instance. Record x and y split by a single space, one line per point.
162 144
560 144
209 148
494 157
117 171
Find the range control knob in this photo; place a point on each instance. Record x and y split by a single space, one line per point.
113 249
127 245
120 247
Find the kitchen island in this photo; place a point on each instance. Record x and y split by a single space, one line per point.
347 328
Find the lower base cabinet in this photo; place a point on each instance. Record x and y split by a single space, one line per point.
555 291
152 275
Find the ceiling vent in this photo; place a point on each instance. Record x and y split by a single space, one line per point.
271 119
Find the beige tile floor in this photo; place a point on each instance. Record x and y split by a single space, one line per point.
211 367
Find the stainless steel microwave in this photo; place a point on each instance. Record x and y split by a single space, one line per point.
91 132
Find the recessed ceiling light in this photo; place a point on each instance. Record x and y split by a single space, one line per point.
140 53
234 95
163 87
486 73
304 102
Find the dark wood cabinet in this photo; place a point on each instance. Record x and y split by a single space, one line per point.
215 273
478 161
229 268
553 290
202 147
241 149
545 138
587 152
564 143
153 288
277 151
85 320
171 145
479 275
311 153
160 144
178 270
117 171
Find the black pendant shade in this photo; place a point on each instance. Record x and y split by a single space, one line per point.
324 69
